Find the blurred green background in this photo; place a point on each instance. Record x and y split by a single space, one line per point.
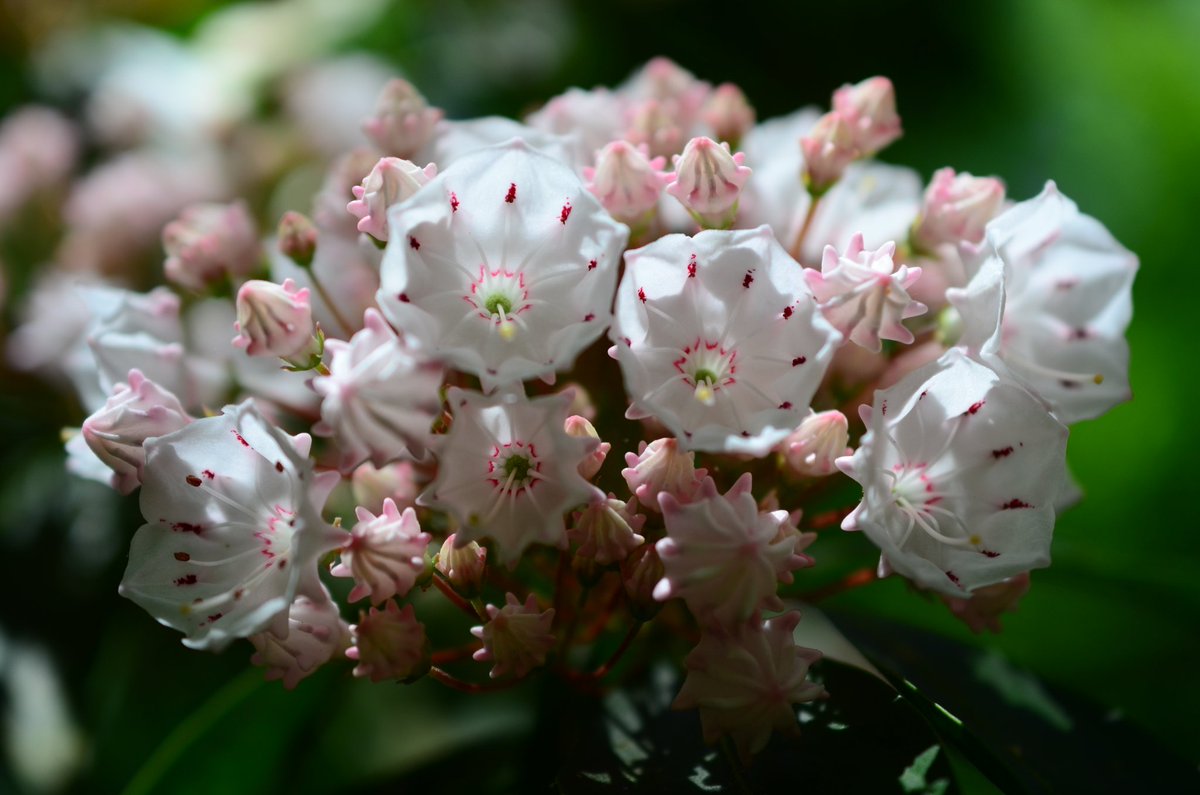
1102 96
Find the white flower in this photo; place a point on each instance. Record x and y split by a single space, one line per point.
390 182
379 399
960 469
134 412
745 682
516 637
1063 301
864 295
503 265
385 554
723 556
508 470
314 634
389 644
233 530
719 338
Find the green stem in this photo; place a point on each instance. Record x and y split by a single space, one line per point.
347 329
798 245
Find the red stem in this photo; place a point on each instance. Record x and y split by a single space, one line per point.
855 579
451 681
454 655
451 594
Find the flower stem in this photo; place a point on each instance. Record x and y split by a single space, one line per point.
615 657
451 681
798 245
347 329
454 655
855 579
827 519
462 604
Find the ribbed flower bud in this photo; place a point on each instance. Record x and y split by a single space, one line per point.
211 242
396 481
463 566
389 644
297 238
708 181
627 181
640 573
728 113
385 554
315 633
956 209
390 182
661 467
820 440
402 122
606 530
275 320
516 637
869 108
579 427
828 149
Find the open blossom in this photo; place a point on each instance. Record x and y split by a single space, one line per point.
1052 289
985 605
606 530
960 469
211 242
134 413
315 633
385 554
233 528
509 471
402 122
746 681
626 180
869 109
503 265
389 644
820 440
956 208
274 319
380 398
723 556
719 338
390 182
662 467
864 295
516 637
708 181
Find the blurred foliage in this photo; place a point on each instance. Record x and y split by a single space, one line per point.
1100 95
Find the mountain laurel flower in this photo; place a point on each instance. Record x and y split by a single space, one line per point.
960 468
580 427
641 572
652 125
397 481
233 528
380 397
864 295
1052 290
728 113
208 243
985 606
402 122
504 265
606 530
316 632
385 554
956 208
275 320
723 556
708 181
390 182
389 644
135 412
508 471
828 148
297 238
812 448
869 109
746 681
463 566
516 637
627 181
719 339
662 467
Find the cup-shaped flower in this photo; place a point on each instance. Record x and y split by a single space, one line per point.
606 530
723 556
380 398
812 448
960 468
390 182
662 467
728 113
719 338
389 644
956 208
503 265
516 637
134 413
869 108
829 148
627 181
402 122
864 295
208 243
746 681
233 528
385 554
708 181
463 565
274 320
1052 290
508 470
316 632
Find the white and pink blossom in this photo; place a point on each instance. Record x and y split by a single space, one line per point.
274 320
662 467
708 180
209 243
385 554
956 208
403 121
817 443
607 530
627 181
869 110
315 634
390 182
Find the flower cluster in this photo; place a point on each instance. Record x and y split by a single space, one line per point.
743 311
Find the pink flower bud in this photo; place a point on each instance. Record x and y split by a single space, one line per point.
626 181
385 554
640 573
209 242
869 108
402 122
463 566
986 605
389 644
315 632
274 320
812 448
828 149
516 637
396 481
708 181
661 467
297 238
606 530
728 113
957 207
579 427
134 413
390 182
652 125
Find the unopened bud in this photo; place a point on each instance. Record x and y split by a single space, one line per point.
626 181
869 109
275 320
640 573
651 124
390 182
402 121
728 113
389 644
985 606
463 566
708 182
828 150
210 242
607 530
579 427
396 481
956 209
813 447
297 238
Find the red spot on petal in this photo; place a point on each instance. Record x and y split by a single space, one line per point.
182 557
283 563
921 396
1014 504
215 617
453 203
413 243
588 317
799 360
192 480
241 439
565 213
954 578
1079 334
691 267
748 279
642 295
990 553
278 466
187 579
511 196
187 527
1002 452
628 342
238 593
403 297
975 407
208 473
787 404
787 312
